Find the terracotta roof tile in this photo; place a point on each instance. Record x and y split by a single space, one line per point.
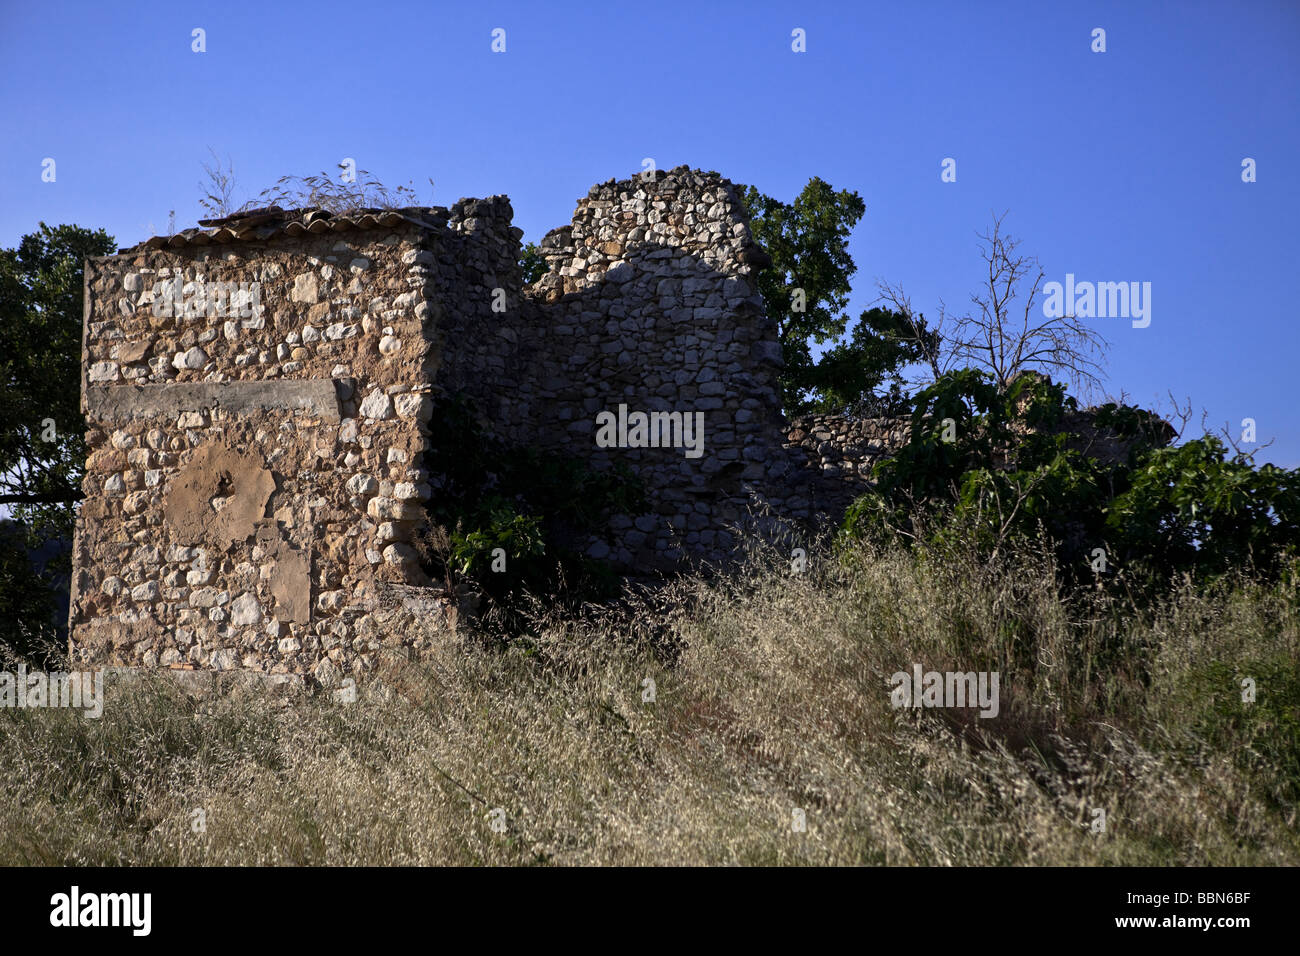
256 225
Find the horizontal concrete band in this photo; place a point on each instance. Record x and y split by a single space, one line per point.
124 402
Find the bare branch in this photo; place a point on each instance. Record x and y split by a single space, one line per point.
930 346
1181 415
1004 339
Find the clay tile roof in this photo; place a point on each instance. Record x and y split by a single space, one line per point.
271 221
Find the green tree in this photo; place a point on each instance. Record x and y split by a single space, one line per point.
28 602
532 262
863 375
42 432
806 290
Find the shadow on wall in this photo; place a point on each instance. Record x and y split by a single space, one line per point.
658 358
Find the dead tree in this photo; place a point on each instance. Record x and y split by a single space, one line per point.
1008 333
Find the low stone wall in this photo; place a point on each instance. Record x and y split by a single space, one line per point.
847 447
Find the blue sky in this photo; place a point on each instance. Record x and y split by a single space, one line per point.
1115 166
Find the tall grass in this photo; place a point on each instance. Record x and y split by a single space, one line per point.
770 696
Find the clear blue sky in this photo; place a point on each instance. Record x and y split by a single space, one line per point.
1116 166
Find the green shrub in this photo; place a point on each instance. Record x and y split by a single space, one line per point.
1000 468
516 519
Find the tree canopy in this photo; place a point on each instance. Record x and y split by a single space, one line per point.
42 432
806 290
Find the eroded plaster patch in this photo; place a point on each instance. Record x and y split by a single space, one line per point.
241 483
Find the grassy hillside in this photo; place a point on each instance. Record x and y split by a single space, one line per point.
771 695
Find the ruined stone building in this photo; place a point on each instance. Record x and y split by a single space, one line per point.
259 393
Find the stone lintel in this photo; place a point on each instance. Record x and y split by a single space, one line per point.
115 403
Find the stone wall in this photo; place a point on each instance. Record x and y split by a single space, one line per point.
254 457
842 451
649 304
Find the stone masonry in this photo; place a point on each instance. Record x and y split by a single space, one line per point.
259 392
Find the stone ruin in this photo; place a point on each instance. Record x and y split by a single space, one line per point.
259 393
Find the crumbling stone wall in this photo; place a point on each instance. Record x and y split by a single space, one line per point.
648 307
650 304
256 471
844 450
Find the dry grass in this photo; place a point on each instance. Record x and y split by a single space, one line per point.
777 699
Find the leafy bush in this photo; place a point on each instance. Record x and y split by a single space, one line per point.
1004 466
1194 508
536 507
516 535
